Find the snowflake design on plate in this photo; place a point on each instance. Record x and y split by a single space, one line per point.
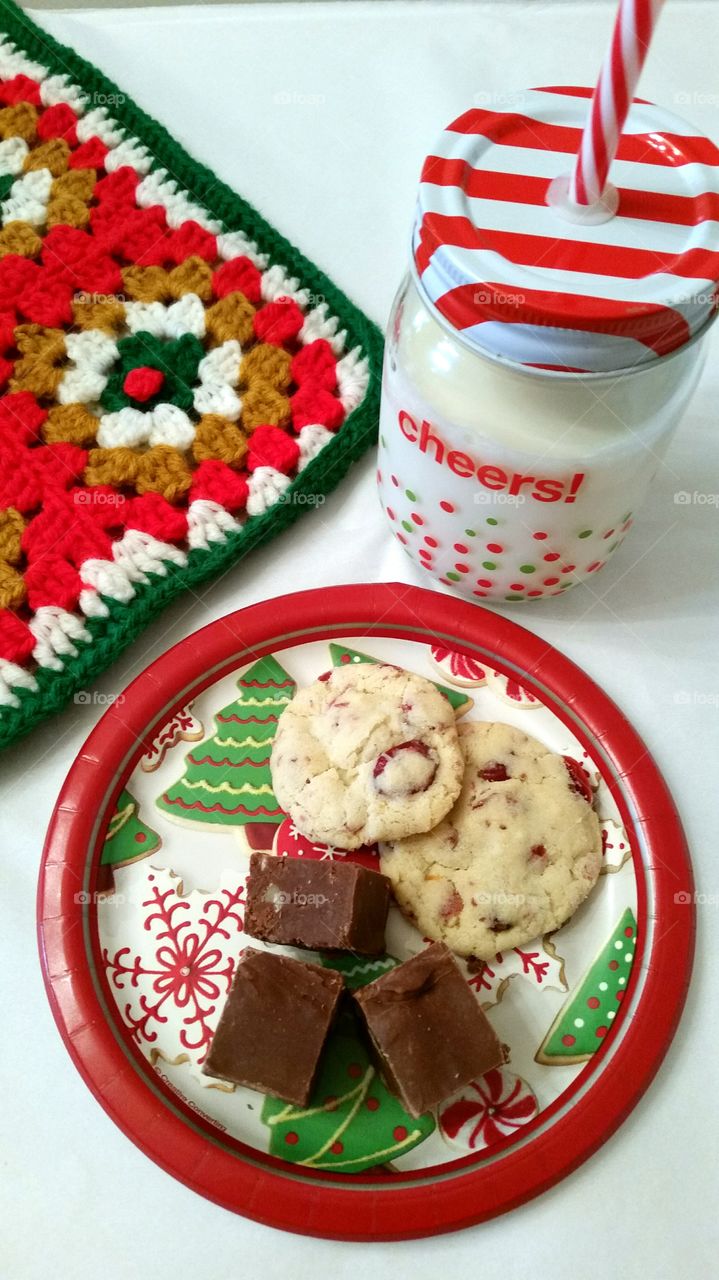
458 668
616 849
172 973
487 1110
291 843
538 962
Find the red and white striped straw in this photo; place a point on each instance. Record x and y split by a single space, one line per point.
612 99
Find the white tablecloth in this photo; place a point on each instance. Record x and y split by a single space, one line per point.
321 114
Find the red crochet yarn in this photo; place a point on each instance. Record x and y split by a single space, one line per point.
238 274
143 383
316 363
272 447
219 483
20 89
279 321
20 417
153 514
52 581
16 639
58 122
91 155
313 404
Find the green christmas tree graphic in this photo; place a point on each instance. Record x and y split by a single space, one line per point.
227 780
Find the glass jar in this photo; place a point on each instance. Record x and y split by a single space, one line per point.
538 359
511 482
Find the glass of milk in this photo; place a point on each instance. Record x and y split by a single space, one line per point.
536 367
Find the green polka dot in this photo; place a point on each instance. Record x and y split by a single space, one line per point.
471 533
625 518
586 533
383 442
488 564
527 568
455 577
515 597
412 496
409 527
491 520
613 547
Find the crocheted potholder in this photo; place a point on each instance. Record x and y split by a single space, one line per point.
177 382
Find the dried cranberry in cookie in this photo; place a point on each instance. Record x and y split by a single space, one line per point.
405 770
368 752
515 857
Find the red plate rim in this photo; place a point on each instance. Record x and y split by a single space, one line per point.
345 1209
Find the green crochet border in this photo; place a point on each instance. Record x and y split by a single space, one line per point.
111 635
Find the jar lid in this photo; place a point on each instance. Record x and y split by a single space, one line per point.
498 257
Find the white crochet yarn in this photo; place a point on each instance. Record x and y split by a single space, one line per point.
92 353
352 379
14 677
208 522
158 188
98 124
146 317
139 554
235 244
219 373
13 62
27 198
266 486
132 428
60 88
12 155
311 439
277 284
319 324
129 151
56 635
187 315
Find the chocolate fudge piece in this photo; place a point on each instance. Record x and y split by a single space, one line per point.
325 905
428 1031
274 1025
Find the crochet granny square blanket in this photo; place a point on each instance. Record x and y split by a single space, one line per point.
177 382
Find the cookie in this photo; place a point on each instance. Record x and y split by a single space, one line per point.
367 753
518 853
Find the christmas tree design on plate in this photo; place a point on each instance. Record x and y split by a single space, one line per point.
586 1018
457 698
227 781
352 1121
128 840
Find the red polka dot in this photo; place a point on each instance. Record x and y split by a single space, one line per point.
400 1133
620 995
372 1104
140 838
391 513
447 506
495 547
551 555
337 1148
569 568
594 565
379 476
535 593
551 582
345 658
568 1041
628 932
425 554
516 586
479 593
462 568
417 518
431 542
354 1070
592 1002
484 582
540 536
600 1032
613 964
460 548
401 537
395 481
608 534
291 1139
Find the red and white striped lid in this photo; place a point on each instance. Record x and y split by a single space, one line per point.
522 282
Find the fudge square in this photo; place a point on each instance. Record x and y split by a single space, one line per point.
274 1025
427 1029
323 905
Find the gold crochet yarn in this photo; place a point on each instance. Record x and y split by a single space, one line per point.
19 237
70 424
217 437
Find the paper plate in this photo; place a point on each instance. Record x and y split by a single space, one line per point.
140 917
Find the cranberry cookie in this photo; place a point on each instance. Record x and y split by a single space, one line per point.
518 853
368 753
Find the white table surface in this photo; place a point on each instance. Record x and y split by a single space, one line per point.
369 85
